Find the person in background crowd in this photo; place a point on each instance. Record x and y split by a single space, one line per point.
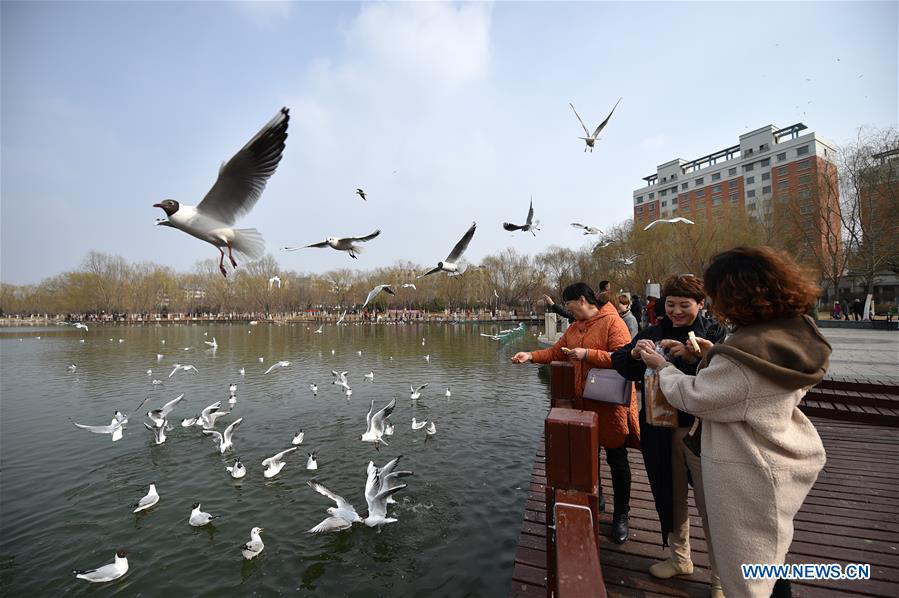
637 308
835 314
857 309
604 285
587 343
669 464
844 304
650 318
624 310
760 454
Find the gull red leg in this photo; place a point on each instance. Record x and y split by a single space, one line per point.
222 262
231 256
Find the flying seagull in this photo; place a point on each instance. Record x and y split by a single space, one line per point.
592 139
115 427
375 422
449 264
274 464
108 572
528 226
376 494
238 187
223 441
374 292
273 280
280 364
159 415
340 244
361 194
668 221
341 517
588 230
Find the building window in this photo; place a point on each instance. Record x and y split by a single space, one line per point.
664 203
699 181
716 201
766 189
716 189
805 179
639 199
748 167
781 171
804 164
716 176
750 180
782 185
673 190
751 207
732 184
765 162
733 197
764 147
766 176
664 179
750 193
674 177
801 151
639 209
683 186
674 201
731 171
782 157
700 193
805 194
663 193
651 195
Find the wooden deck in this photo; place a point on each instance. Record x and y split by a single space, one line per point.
850 516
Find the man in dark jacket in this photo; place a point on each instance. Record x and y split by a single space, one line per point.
637 308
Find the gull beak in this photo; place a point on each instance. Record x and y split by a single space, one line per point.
261 529
157 205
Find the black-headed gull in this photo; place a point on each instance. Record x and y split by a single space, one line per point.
375 422
311 462
314 389
157 416
389 478
590 140
237 470
275 464
198 518
149 500
341 517
431 429
109 572
185 368
224 440
369 376
348 244
254 547
298 438
80 325
213 344
588 230
449 264
409 285
280 364
158 431
529 226
116 426
417 425
376 495
238 187
375 291
415 393
668 221
360 193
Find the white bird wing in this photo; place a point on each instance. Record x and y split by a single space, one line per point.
373 293
377 421
331 524
579 225
651 224
342 316
168 407
371 410
362 239
216 436
277 458
586 132
378 505
100 429
462 245
241 180
341 501
530 213
271 368
603 124
422 387
214 407
229 431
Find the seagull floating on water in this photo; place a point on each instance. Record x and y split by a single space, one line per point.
158 431
198 518
448 393
314 389
417 425
212 344
238 187
415 393
348 244
254 547
529 225
274 464
590 140
298 438
109 572
150 500
449 264
668 221
311 462
431 429
237 470
369 376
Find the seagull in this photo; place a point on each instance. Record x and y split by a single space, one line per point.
242 371
314 389
389 477
261 359
359 353
186 368
157 416
361 194
149 372
298 438
388 428
428 358
274 464
448 393
280 364
189 421
431 429
342 316
147 501
342 517
156 382
198 518
588 230
369 376
108 572
668 221
311 462
223 441
340 244
237 471
528 226
376 496
232 389
407 285
82 326
72 367
592 139
213 344
449 264
158 431
238 187
254 547
417 425
319 331
159 356
375 422
374 292
341 377
115 427
415 393
273 280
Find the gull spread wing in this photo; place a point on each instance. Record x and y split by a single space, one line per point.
603 124
586 132
531 212
241 180
363 239
462 245
319 245
341 502
331 524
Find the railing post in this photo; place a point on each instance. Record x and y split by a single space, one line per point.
561 384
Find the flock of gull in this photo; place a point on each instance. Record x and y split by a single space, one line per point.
381 483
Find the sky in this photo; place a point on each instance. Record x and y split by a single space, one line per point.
445 113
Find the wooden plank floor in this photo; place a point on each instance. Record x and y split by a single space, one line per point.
850 516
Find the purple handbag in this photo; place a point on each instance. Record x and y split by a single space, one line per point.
608 386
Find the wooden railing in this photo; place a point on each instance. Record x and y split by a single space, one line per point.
572 493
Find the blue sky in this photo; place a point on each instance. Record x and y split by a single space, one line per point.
109 107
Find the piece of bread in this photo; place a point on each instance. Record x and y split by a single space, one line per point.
691 337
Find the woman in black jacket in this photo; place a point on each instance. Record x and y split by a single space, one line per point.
669 464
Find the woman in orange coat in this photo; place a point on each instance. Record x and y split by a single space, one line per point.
596 332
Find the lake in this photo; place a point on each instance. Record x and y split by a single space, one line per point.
66 494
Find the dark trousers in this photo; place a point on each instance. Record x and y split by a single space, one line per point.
621 479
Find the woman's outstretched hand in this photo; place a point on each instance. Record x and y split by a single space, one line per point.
576 353
652 359
522 357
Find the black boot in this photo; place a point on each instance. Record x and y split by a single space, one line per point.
620 529
621 489
602 500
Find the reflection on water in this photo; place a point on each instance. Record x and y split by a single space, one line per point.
65 493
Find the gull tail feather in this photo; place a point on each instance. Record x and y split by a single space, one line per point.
249 242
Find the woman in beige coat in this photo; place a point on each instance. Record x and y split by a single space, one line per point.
760 454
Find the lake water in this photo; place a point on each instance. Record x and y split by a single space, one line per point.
65 493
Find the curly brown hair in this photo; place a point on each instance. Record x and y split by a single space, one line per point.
683 285
750 285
